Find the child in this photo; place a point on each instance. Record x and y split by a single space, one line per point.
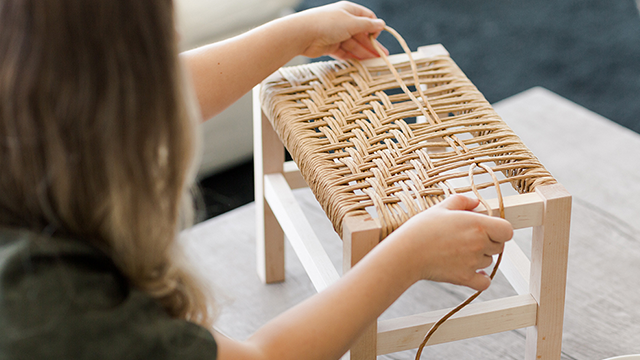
97 134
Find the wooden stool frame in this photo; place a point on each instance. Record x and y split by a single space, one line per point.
540 282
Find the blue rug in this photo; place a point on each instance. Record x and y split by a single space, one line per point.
585 50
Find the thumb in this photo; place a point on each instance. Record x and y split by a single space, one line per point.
459 202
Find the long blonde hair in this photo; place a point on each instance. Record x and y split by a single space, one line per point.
96 137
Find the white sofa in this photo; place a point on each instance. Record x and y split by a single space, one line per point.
228 136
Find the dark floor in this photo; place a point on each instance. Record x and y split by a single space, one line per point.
585 50
226 190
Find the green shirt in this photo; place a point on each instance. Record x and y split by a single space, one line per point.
64 299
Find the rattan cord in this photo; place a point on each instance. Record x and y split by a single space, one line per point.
350 131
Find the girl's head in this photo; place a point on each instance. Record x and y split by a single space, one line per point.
96 134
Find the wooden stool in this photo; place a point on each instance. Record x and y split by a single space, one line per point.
373 159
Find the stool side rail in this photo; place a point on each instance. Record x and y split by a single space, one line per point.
516 267
476 319
299 232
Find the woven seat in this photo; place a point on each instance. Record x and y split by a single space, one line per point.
371 151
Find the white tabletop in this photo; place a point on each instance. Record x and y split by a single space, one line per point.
595 159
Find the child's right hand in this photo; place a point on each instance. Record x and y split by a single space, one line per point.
450 243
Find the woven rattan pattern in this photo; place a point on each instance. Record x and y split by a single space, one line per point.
355 137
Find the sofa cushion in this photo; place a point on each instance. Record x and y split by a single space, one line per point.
204 21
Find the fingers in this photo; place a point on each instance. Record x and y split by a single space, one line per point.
480 237
480 281
366 20
359 47
363 40
355 49
342 54
486 261
382 47
459 202
342 30
360 35
498 230
365 23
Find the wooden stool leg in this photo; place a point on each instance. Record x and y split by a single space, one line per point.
549 254
268 158
361 234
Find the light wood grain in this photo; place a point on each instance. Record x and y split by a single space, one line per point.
549 257
432 50
361 235
268 158
516 267
474 320
522 211
424 52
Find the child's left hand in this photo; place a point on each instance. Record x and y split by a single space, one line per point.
342 30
